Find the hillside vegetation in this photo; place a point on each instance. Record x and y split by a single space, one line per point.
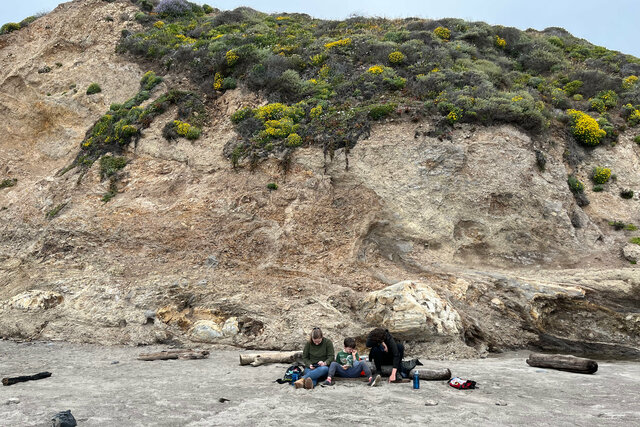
326 81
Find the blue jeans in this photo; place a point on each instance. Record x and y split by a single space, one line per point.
319 373
351 372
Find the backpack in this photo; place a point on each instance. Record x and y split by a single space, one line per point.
461 384
298 370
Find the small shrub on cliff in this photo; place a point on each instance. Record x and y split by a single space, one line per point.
600 175
379 111
585 128
626 194
575 184
9 182
173 7
635 240
109 165
93 88
9 27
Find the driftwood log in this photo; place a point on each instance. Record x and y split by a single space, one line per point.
443 374
14 380
175 354
563 363
258 359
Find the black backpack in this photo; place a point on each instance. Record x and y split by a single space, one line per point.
289 374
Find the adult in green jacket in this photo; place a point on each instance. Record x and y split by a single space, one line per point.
317 355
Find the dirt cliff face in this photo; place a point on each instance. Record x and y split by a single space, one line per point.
188 239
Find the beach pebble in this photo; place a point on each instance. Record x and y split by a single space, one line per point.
430 403
12 401
501 403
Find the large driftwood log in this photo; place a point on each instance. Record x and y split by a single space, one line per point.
563 363
14 380
424 374
175 354
258 359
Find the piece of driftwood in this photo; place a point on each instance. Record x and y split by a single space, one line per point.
425 374
14 380
563 363
175 354
257 359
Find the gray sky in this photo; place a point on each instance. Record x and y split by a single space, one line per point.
612 24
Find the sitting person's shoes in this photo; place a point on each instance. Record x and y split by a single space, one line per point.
308 383
328 382
374 381
299 383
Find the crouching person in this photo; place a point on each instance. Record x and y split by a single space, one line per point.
385 351
349 365
317 355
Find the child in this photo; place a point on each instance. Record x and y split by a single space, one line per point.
317 355
349 365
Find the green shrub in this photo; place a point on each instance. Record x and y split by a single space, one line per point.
637 139
379 111
635 240
9 27
598 188
442 33
109 165
149 81
600 175
207 9
272 186
93 88
55 211
626 194
575 184
9 182
573 87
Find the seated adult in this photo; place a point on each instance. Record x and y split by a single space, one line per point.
385 351
349 365
317 356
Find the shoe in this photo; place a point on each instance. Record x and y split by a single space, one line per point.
299 383
375 381
327 383
308 383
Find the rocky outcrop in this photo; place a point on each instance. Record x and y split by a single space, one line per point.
412 311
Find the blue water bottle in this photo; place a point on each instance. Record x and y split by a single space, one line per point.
416 380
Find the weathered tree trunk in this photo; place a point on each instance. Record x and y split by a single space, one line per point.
14 380
563 363
175 354
424 374
263 358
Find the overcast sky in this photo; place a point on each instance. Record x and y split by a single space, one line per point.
612 24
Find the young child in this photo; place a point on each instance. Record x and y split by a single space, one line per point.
349 365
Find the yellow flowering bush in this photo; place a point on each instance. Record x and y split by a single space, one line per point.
338 43
277 111
634 118
396 57
159 24
318 59
316 112
294 140
454 115
324 71
500 42
585 128
442 33
217 81
232 58
517 98
186 130
629 82
376 69
601 175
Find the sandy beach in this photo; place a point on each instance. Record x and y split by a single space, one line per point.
107 386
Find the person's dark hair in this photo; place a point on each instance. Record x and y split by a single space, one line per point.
350 342
377 335
315 333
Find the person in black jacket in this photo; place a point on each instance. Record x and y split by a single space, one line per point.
385 351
